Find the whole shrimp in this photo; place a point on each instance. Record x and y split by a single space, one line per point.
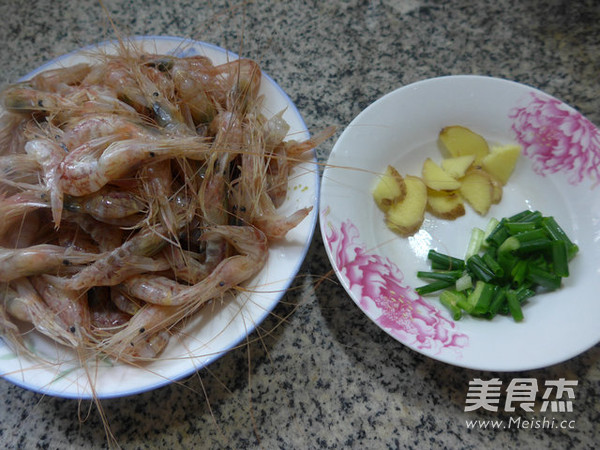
70 306
82 173
146 87
63 93
23 302
131 258
106 204
105 236
80 130
60 79
192 267
257 204
49 90
193 80
38 259
253 205
170 307
157 182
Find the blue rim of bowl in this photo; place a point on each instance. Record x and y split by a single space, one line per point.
266 311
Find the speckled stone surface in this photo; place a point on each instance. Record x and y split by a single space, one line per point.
327 377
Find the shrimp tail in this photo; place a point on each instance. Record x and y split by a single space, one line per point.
296 150
276 226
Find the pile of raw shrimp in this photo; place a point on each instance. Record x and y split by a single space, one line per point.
133 190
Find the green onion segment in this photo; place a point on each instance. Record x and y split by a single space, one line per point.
505 265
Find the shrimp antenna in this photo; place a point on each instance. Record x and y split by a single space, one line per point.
112 24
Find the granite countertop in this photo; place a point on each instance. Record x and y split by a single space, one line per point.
326 377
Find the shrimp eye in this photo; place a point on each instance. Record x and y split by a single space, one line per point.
222 283
66 262
142 330
156 94
40 103
152 154
72 329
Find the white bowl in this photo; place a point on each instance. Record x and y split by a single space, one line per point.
557 175
218 327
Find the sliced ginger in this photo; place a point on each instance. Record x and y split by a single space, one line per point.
462 141
478 190
389 189
501 162
472 174
457 166
437 178
405 217
445 205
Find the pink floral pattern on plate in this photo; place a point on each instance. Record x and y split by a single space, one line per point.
378 285
557 138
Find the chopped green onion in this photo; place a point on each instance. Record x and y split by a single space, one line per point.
519 227
509 244
479 269
519 216
532 241
481 297
519 272
498 301
491 226
523 293
475 242
446 275
557 233
493 265
449 300
507 261
440 261
463 283
560 258
504 266
526 216
464 304
433 287
514 306
498 235
544 278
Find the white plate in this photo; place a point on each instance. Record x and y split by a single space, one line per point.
218 328
557 175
